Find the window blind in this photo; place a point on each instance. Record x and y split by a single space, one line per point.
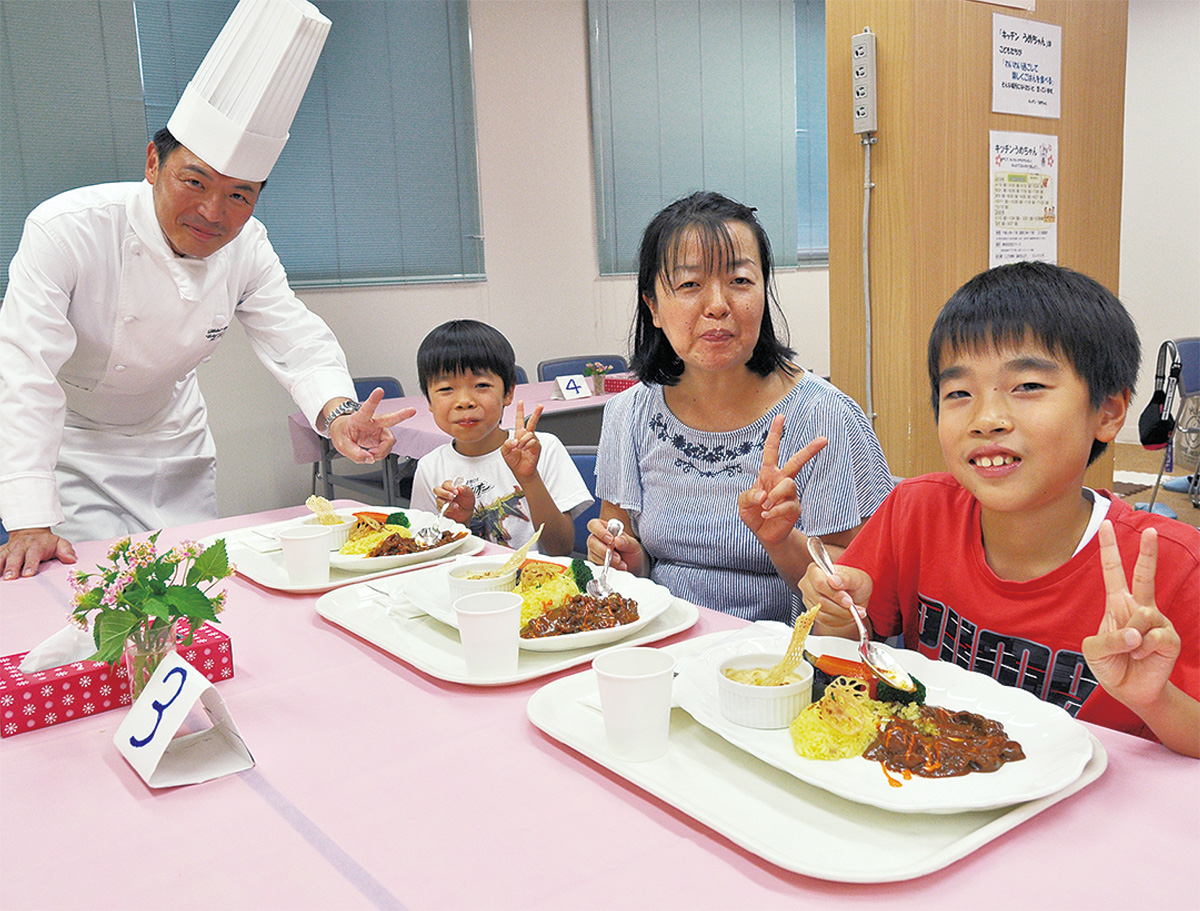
70 105
704 95
812 134
377 184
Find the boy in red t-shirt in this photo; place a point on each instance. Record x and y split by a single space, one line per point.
1007 564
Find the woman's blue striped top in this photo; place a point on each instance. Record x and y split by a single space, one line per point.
680 487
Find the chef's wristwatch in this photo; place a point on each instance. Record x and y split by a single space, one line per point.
347 407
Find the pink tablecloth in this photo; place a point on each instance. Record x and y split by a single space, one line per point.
379 786
420 435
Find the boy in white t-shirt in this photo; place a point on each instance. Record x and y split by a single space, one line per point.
514 481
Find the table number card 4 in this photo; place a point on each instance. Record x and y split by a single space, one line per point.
571 386
146 738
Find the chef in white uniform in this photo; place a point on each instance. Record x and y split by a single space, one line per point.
118 292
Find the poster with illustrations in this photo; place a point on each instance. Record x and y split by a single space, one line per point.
1024 198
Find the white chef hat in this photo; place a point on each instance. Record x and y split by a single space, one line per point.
236 111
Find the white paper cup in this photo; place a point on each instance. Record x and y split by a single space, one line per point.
306 553
489 625
635 697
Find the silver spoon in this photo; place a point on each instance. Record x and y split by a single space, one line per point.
598 587
879 660
431 534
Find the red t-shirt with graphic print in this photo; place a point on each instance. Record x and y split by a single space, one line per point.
923 549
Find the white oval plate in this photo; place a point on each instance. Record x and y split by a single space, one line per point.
354 563
431 594
1057 747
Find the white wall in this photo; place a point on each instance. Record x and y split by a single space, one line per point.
1160 205
543 289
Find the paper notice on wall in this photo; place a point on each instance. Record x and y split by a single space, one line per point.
1024 198
1026 67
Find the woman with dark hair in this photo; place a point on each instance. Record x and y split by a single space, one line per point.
681 458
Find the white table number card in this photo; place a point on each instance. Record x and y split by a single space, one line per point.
146 738
573 386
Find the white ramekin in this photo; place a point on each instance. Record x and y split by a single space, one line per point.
341 531
459 585
762 706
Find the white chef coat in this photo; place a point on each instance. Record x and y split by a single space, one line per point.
101 330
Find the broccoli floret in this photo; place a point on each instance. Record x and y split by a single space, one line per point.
582 573
398 518
885 692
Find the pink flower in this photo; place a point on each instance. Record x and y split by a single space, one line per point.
118 548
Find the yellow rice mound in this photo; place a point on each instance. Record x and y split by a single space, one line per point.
843 722
363 543
542 588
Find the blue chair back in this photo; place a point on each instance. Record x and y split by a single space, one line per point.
567 366
522 376
3 534
1189 361
365 385
584 458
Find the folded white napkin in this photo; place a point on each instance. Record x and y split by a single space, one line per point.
67 645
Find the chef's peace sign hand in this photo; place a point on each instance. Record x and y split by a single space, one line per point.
1134 651
522 450
771 507
365 436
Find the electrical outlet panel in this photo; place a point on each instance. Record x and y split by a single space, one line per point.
862 69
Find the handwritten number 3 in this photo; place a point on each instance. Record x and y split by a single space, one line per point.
161 707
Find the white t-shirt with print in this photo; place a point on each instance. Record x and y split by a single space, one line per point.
501 511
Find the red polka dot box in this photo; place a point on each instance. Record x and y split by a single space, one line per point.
82 688
618 382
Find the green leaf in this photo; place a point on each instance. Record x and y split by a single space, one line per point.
213 563
157 607
191 603
112 629
89 602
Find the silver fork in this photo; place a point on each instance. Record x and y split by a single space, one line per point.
430 534
598 587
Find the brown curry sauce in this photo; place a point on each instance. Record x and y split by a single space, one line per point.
964 742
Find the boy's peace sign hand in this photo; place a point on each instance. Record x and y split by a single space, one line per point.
1134 651
522 450
771 507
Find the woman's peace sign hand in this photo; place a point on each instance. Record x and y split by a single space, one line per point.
771 507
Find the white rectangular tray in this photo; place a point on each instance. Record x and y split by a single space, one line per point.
794 825
245 547
397 626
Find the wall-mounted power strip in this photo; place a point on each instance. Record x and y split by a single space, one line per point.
862 63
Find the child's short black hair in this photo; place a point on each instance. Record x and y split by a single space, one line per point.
464 346
1068 313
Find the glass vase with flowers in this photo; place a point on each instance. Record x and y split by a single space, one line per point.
135 602
595 372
